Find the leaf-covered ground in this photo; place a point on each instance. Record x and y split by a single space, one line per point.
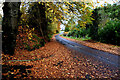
54 60
97 45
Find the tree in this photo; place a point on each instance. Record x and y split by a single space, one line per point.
94 26
11 12
59 12
113 11
40 15
37 18
0 19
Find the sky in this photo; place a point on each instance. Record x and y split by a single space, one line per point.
1 5
95 3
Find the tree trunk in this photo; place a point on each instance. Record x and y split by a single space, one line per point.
43 23
11 17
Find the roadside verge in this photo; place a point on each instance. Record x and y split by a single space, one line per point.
97 45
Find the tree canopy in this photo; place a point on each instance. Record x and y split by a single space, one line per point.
75 12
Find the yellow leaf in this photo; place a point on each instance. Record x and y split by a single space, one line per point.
29 38
51 10
47 4
72 5
48 8
26 30
102 6
68 3
33 29
65 9
30 34
98 2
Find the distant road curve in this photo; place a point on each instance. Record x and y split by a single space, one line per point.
99 55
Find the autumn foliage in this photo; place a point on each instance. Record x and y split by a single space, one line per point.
27 39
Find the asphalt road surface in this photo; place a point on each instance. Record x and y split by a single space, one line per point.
102 56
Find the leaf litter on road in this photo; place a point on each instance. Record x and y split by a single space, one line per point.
64 64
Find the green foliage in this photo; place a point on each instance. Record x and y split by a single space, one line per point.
28 48
110 33
33 40
67 29
106 24
38 43
36 37
79 32
85 38
50 35
46 17
52 27
104 28
113 11
36 46
42 42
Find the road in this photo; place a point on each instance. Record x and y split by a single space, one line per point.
102 56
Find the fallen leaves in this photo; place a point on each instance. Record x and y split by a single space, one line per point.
63 64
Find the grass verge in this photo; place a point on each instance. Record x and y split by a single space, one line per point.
83 39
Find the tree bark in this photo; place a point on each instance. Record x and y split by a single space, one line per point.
11 17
